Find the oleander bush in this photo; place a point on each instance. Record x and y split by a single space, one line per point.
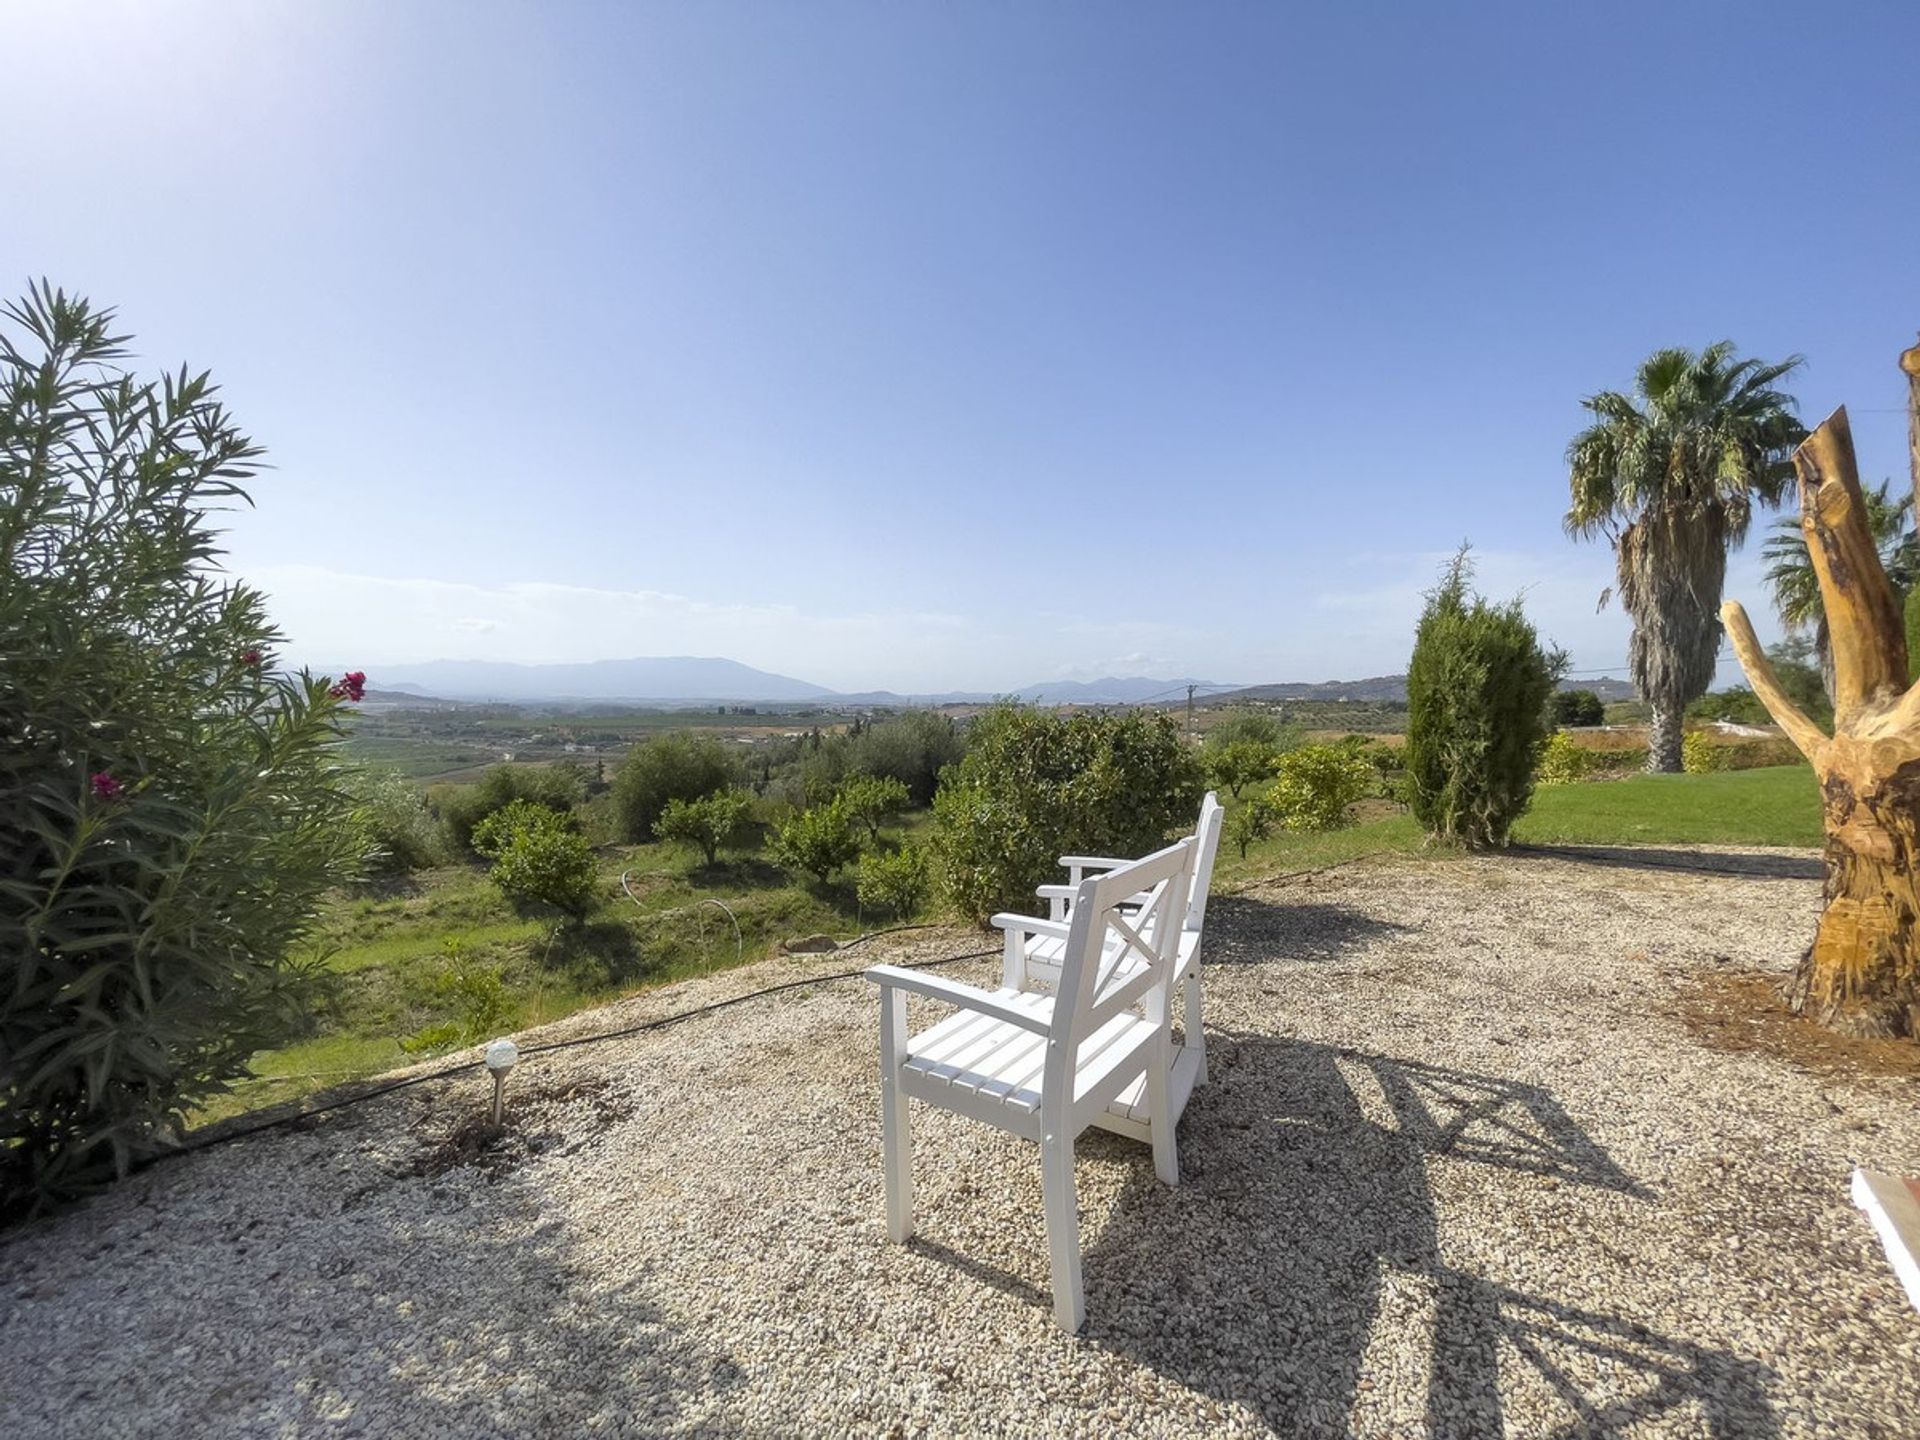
171 805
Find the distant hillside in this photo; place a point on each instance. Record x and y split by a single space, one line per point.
1113 690
1389 689
670 678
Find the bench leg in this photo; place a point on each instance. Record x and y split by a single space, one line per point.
896 1126
1063 1231
1196 1035
1160 1116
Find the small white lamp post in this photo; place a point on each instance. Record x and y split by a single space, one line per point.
502 1056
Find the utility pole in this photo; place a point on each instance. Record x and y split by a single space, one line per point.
1190 690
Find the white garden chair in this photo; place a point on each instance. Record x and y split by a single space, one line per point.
1034 949
1044 1067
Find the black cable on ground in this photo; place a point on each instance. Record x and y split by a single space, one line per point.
571 1042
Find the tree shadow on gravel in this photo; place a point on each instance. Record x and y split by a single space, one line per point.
1303 1225
1747 864
351 1295
1245 931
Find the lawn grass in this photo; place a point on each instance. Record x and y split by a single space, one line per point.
1779 805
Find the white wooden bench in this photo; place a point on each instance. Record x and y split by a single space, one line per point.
1045 1067
1034 948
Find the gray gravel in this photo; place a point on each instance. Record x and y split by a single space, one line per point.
1458 1171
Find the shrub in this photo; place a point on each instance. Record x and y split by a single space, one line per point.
1316 785
680 765
872 800
462 808
170 812
893 884
396 829
1699 755
539 858
706 823
913 748
1477 690
1250 822
483 1006
1576 707
1240 763
816 842
1244 722
1035 785
1562 762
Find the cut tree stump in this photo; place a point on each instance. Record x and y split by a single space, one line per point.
1862 974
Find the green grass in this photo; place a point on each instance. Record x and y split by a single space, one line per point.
1775 806
444 950
421 967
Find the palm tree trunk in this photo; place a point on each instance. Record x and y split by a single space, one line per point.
1663 742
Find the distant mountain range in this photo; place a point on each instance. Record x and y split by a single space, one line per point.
687 680
677 678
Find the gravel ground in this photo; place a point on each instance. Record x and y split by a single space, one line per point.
1461 1169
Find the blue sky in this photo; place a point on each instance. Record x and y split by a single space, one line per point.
932 346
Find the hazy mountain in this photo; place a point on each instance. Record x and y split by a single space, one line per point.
683 680
676 677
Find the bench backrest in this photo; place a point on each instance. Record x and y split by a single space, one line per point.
1099 979
1213 817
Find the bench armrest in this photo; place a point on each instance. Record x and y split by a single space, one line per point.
966 997
1032 925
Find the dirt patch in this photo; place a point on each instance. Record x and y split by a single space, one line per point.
562 1115
1737 1011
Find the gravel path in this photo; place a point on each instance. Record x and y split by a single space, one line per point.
1460 1170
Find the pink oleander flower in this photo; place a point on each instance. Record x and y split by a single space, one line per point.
252 658
351 686
106 787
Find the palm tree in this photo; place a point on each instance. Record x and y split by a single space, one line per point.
1796 591
1669 476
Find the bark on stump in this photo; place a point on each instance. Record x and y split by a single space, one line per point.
1862 973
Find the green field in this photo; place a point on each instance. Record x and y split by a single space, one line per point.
425 966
